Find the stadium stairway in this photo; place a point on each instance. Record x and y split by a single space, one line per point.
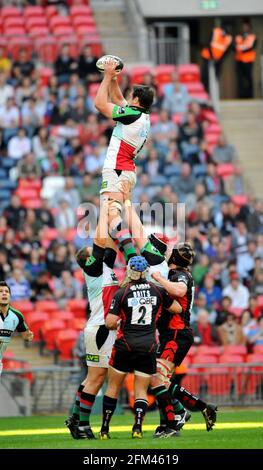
243 124
109 17
29 354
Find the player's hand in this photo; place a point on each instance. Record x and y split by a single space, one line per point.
125 188
157 276
109 69
28 335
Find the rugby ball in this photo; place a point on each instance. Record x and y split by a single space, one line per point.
105 58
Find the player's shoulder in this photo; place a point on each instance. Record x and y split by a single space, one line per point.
16 312
180 275
126 111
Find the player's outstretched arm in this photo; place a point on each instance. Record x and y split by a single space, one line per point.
101 232
101 99
175 289
135 226
116 95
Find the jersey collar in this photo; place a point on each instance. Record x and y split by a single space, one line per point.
2 315
143 110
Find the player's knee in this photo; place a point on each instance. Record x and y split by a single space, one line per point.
162 376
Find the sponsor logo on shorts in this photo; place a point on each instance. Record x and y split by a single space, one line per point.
92 357
104 184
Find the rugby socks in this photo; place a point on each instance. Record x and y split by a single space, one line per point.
122 237
76 406
177 406
109 406
186 398
140 408
86 404
164 404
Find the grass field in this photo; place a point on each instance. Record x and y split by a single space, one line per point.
234 430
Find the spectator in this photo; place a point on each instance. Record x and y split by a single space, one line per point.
15 213
24 91
79 112
87 69
27 167
5 63
248 323
204 332
186 183
6 91
9 119
5 268
34 266
58 261
255 333
230 332
176 98
88 188
163 131
257 284
19 145
40 143
223 310
41 289
65 65
67 287
238 293
51 164
200 269
69 193
44 216
224 152
22 67
19 286
213 293
66 218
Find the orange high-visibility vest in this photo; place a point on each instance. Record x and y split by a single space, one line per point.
242 43
182 369
219 44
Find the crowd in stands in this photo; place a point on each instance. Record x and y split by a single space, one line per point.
52 148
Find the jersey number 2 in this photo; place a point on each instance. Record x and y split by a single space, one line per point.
142 315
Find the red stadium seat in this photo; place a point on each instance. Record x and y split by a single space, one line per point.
37 32
34 11
78 323
36 22
78 307
13 364
79 275
240 199
49 332
89 31
192 352
3 44
177 118
65 342
47 49
51 11
45 73
58 21
205 359
154 118
238 350
210 116
47 305
260 301
211 139
225 169
192 382
137 73
213 128
50 234
72 42
237 311
27 193
35 320
25 306
255 358
32 203
194 87
218 381
15 31
258 349
70 234
34 184
63 31
93 88
80 10
64 315
188 73
231 358
16 44
8 12
201 96
83 21
163 73
209 350
13 22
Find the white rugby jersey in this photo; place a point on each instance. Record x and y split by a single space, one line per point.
128 137
101 290
13 321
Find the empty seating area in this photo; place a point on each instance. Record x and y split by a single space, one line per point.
42 30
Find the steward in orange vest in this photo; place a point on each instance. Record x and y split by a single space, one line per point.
245 55
219 45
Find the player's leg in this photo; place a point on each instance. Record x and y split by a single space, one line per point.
144 367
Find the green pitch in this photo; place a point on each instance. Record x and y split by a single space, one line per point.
234 430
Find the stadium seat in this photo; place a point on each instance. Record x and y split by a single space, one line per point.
210 116
172 170
200 96
5 194
38 32
45 73
90 30
260 301
34 11
50 233
192 352
199 170
231 358
15 31
78 323
35 320
194 87
72 42
211 139
218 381
205 359
225 169
58 21
208 350
8 184
16 44
64 315
137 73
192 382
188 73
13 22
10 12
25 306
32 203
47 49
258 349
255 357
83 21
51 11
237 311
49 331
47 305
240 199
154 118
213 128
163 73
36 22
63 31
65 342
80 10
238 350
78 307
178 118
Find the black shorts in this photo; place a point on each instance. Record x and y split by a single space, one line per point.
130 361
175 344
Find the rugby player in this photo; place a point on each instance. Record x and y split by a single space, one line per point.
176 337
10 320
127 140
137 306
101 286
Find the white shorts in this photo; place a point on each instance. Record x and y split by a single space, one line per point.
162 268
98 343
111 180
